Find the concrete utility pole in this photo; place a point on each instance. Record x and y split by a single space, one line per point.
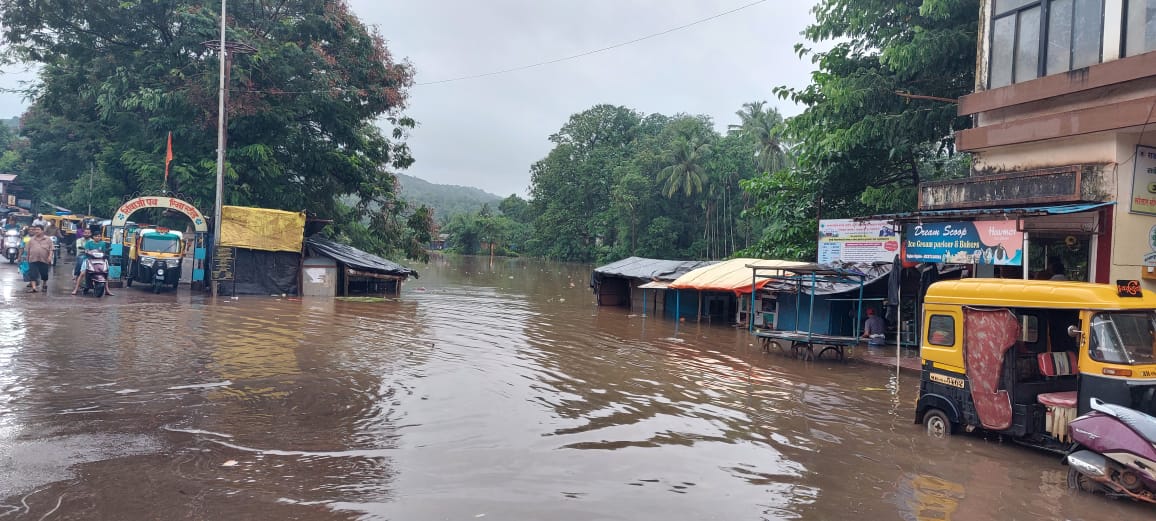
225 50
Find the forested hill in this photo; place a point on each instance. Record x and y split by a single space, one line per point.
446 200
13 123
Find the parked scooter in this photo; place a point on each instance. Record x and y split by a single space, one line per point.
95 273
1119 452
12 245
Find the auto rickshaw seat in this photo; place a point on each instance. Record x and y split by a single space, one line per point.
1060 399
1057 363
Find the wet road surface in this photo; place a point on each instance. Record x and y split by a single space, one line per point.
482 393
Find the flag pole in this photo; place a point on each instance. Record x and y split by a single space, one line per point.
168 159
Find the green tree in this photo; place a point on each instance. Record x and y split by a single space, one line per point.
116 77
862 146
570 187
421 224
686 171
858 131
764 126
788 208
516 208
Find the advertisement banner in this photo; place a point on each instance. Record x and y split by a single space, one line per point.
980 242
1144 181
848 240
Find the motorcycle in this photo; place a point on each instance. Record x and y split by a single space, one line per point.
1119 452
12 245
55 250
95 273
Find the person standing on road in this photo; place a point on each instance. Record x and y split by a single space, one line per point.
39 259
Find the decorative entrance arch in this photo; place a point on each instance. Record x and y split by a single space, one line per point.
120 219
172 203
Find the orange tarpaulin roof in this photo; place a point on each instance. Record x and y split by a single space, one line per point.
733 275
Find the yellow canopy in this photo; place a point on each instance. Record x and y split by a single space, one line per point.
262 229
733 275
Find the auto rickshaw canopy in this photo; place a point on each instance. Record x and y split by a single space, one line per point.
1040 294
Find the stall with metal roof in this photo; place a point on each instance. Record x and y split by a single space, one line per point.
614 284
719 287
357 272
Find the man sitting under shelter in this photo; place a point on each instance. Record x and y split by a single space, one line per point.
874 329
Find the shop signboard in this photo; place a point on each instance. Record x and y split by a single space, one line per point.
1150 257
848 240
980 242
1144 181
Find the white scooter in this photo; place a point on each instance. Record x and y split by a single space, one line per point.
12 245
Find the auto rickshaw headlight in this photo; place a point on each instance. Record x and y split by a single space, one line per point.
147 261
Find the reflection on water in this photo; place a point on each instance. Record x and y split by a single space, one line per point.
928 498
483 391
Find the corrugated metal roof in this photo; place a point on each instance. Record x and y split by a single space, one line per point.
357 259
830 279
647 269
733 275
965 213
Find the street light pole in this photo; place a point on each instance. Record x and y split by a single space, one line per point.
223 51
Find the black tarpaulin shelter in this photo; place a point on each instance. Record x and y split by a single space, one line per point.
360 272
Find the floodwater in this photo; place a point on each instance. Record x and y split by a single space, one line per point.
482 393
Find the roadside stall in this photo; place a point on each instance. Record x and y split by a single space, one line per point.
719 292
638 282
260 251
806 280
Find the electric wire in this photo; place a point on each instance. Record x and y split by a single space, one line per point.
588 53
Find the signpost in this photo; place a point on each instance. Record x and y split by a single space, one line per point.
848 240
1144 181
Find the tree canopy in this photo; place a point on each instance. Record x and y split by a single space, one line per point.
620 183
303 104
870 131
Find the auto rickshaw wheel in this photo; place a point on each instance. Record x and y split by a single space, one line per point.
937 424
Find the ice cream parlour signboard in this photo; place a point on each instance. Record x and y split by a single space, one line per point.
998 243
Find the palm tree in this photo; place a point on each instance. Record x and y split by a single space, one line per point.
764 126
686 170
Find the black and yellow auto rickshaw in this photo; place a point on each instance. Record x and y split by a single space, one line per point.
1022 358
155 258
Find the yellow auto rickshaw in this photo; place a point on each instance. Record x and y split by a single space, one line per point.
69 226
155 258
1022 357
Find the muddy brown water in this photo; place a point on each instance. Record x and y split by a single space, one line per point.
482 393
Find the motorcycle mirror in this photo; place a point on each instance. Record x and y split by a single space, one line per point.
1074 332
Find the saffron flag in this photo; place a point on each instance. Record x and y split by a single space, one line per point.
168 158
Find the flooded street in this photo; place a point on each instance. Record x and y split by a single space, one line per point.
493 393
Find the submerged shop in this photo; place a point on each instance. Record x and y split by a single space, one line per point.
1058 242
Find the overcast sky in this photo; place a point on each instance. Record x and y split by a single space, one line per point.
487 132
